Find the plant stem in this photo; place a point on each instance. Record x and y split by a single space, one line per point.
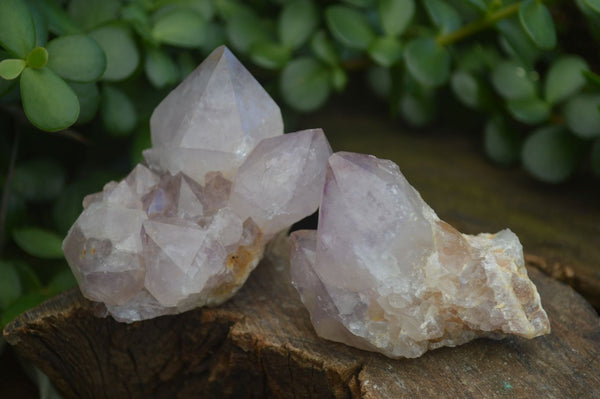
478 25
8 183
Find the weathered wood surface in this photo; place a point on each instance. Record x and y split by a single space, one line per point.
559 223
261 345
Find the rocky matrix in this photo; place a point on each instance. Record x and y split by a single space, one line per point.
222 180
383 273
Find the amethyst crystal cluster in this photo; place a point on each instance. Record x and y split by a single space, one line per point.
221 180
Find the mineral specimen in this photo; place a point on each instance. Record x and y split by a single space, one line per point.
222 180
384 273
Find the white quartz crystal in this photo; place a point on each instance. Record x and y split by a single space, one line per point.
223 179
384 273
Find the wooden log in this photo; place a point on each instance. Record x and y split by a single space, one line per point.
261 345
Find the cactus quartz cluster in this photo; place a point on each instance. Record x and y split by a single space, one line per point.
221 180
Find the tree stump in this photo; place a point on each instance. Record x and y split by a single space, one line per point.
261 344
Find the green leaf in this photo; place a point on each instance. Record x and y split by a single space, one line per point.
518 42
537 23
550 154
270 55
37 58
141 141
20 305
39 23
243 30
10 284
39 242
137 16
49 103
386 51
565 78
60 282
592 77
11 69
122 56
118 113
39 179
339 79
593 4
417 110
77 58
17 32
427 62
595 157
59 22
215 36
501 144
92 13
297 21
349 26
443 15
89 100
305 84
512 81
466 88
530 110
160 68
395 15
323 49
180 27
380 81
29 280
582 116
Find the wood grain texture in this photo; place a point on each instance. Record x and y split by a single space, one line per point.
559 223
261 345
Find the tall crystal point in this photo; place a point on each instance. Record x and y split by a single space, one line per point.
384 273
223 179
215 117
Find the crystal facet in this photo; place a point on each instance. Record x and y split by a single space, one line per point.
384 273
223 180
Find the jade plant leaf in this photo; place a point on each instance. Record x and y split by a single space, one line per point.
443 15
122 55
385 51
511 80
160 68
565 78
39 242
537 22
349 26
118 113
92 13
11 69
323 49
428 62
501 144
530 110
246 29
550 154
17 32
270 55
305 84
395 15
89 100
180 27
48 101
297 21
582 115
77 58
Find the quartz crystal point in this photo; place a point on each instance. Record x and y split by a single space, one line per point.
223 180
384 273
212 120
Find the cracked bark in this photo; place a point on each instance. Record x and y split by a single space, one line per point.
261 345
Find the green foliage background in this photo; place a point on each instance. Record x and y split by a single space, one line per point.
80 78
